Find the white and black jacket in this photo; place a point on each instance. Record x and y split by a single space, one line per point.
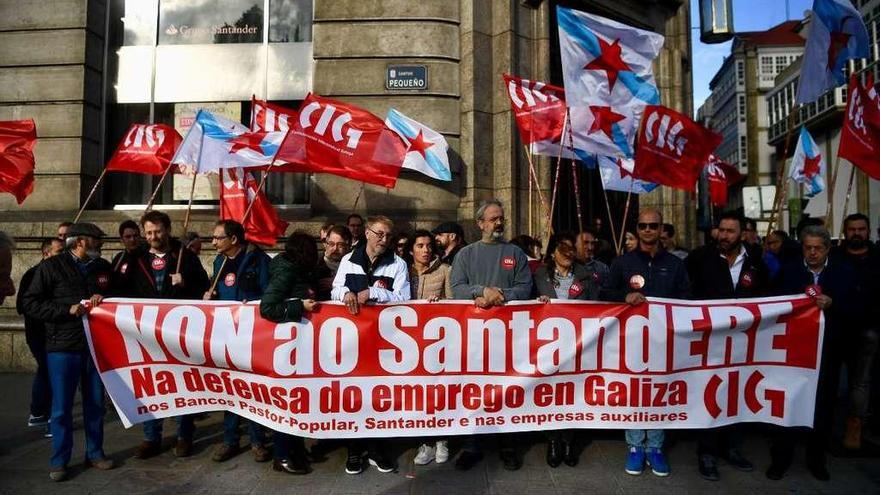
387 278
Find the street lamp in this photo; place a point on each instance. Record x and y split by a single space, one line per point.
716 21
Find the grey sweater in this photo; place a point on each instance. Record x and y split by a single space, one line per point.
480 265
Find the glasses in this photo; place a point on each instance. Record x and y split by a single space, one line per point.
380 235
219 237
334 245
649 225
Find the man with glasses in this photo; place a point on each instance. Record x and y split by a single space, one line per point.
587 243
647 271
371 273
355 225
490 272
241 273
337 243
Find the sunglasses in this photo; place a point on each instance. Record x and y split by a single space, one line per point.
648 226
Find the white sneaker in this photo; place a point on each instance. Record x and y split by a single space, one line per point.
442 454
425 455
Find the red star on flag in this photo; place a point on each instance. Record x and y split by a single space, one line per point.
811 166
419 145
624 173
248 140
609 60
838 42
603 120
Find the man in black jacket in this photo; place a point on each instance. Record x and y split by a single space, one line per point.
725 270
132 244
35 335
157 274
832 285
54 297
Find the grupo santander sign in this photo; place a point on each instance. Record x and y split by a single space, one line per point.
449 368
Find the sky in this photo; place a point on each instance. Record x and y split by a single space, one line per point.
748 15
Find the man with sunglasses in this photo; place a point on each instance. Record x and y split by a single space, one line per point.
647 271
371 273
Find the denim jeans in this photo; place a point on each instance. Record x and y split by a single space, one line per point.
41 390
186 428
283 445
652 439
230 430
67 370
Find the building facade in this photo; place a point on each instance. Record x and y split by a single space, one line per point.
84 70
823 119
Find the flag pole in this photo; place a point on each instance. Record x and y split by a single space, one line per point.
534 175
91 193
852 177
574 178
614 237
780 174
556 180
829 208
625 214
530 206
358 197
192 191
158 187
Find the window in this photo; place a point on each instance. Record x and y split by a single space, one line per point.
188 22
740 73
742 108
766 65
781 63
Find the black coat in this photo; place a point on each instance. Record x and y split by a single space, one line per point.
665 276
867 273
710 275
57 285
138 278
584 287
837 280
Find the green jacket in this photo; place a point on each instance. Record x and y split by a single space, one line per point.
288 285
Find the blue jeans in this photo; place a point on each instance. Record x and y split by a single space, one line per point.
66 371
41 390
230 430
652 439
186 428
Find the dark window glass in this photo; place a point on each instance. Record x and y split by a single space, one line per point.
202 22
290 21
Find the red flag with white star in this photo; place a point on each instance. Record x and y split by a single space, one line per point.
672 149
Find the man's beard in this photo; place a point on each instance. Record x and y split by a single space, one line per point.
93 254
497 235
856 242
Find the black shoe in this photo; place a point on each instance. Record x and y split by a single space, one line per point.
354 464
290 466
510 460
707 467
569 454
737 461
776 471
554 454
380 461
468 459
819 471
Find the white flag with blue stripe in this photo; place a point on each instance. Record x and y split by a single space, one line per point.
616 174
807 165
607 69
426 149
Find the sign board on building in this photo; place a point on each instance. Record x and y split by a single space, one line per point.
207 186
406 77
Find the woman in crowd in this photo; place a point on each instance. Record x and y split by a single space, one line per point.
288 296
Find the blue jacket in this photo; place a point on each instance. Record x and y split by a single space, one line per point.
244 277
664 275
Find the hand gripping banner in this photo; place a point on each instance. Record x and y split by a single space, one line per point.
449 368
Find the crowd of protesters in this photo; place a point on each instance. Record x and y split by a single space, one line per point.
367 261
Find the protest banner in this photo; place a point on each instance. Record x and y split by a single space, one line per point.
449 368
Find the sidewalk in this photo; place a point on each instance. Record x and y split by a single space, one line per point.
24 456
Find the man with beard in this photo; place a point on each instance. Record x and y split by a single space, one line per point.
54 297
490 272
132 244
449 237
725 270
337 243
860 342
647 271
155 275
371 273
587 243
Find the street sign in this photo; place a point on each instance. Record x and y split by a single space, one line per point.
406 77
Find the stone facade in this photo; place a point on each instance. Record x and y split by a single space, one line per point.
51 65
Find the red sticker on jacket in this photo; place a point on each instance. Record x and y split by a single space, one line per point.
103 281
746 280
158 264
637 282
123 268
381 284
813 290
575 290
229 280
596 277
508 262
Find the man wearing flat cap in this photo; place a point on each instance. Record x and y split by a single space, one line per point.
450 238
55 296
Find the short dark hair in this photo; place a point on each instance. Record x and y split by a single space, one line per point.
552 243
587 230
47 244
157 217
231 228
341 231
735 216
411 241
855 217
128 224
300 248
669 229
354 215
65 224
781 234
749 222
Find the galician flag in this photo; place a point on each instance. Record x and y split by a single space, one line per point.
837 34
807 165
616 174
426 150
215 142
606 67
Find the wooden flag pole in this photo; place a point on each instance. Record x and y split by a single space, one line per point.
614 237
781 182
574 178
158 187
852 177
192 191
91 193
625 215
358 197
534 175
829 208
556 181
